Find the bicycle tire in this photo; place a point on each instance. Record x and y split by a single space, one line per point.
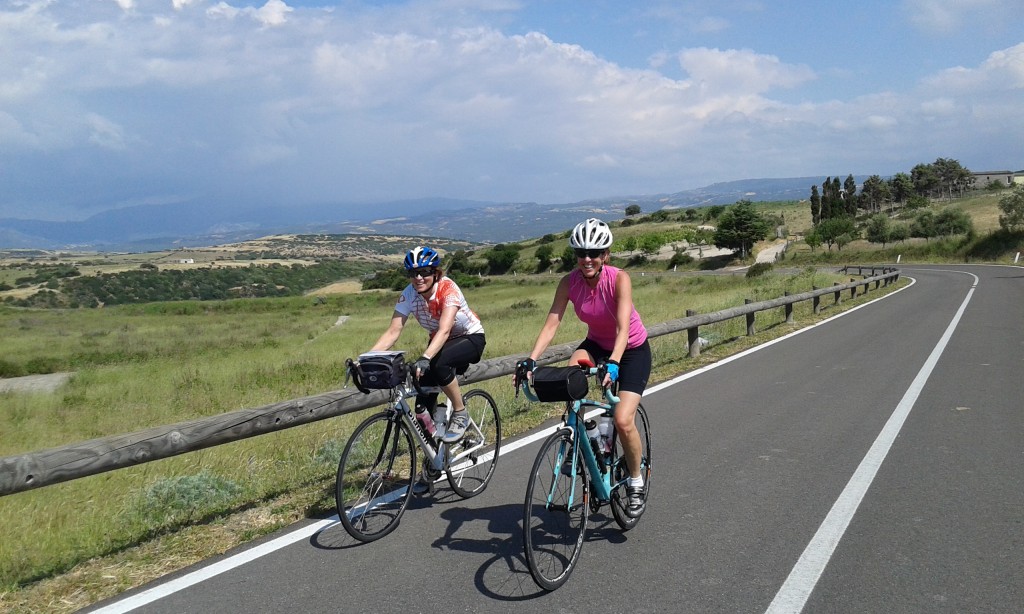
476 456
553 533
621 472
374 480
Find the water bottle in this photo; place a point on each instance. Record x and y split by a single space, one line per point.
423 416
592 431
594 435
440 419
606 428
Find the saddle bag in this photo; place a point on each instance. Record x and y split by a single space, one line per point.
380 370
552 384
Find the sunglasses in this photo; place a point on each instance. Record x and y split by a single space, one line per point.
424 273
589 253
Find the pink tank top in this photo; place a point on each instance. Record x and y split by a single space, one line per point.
596 307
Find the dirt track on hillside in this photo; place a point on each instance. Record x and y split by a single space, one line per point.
34 383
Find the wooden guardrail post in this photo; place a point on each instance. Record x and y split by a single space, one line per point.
750 318
839 292
788 310
693 337
816 301
853 289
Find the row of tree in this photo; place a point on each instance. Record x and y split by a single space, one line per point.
150 285
942 178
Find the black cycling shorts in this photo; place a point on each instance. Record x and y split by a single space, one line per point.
634 367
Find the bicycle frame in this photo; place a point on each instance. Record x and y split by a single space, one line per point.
601 480
435 453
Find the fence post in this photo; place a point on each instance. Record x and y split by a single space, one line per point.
839 298
750 318
693 337
816 301
853 290
789 310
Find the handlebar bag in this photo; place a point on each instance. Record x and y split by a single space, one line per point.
560 383
381 370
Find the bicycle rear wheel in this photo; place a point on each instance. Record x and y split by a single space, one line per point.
621 471
374 481
556 512
470 463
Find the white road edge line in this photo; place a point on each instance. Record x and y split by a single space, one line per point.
795 591
214 569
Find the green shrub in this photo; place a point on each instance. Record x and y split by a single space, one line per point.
179 500
758 268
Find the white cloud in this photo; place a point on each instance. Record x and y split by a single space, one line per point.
105 133
740 71
946 16
299 104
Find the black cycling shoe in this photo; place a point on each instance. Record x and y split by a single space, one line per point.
636 501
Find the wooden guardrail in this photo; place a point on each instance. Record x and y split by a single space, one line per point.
36 469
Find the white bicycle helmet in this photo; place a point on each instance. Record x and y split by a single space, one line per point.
591 234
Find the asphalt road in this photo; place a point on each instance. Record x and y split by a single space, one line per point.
870 464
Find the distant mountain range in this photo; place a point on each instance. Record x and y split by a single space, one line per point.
192 224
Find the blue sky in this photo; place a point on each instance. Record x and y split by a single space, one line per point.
111 103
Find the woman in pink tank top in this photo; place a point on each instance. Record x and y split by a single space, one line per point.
602 297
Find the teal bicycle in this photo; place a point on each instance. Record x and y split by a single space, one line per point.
576 473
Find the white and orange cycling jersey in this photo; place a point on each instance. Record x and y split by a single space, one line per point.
428 311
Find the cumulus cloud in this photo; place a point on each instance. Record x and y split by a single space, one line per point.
741 70
293 104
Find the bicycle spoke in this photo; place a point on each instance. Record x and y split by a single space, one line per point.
556 513
470 463
372 488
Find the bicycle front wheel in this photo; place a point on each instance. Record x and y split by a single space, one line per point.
374 481
470 463
556 511
620 472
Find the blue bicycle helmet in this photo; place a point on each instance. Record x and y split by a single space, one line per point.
422 256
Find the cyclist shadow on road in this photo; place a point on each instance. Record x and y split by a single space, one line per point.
334 536
505 575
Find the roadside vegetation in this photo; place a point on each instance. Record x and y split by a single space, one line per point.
143 360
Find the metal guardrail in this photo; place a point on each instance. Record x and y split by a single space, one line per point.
42 468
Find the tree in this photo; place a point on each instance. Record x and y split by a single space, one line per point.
1012 206
544 254
953 221
831 229
874 193
815 205
740 227
844 239
923 225
650 244
850 192
813 240
924 179
901 187
879 229
712 212
630 243
899 233
633 210
501 258
568 258
952 176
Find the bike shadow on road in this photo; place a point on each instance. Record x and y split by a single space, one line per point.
504 575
